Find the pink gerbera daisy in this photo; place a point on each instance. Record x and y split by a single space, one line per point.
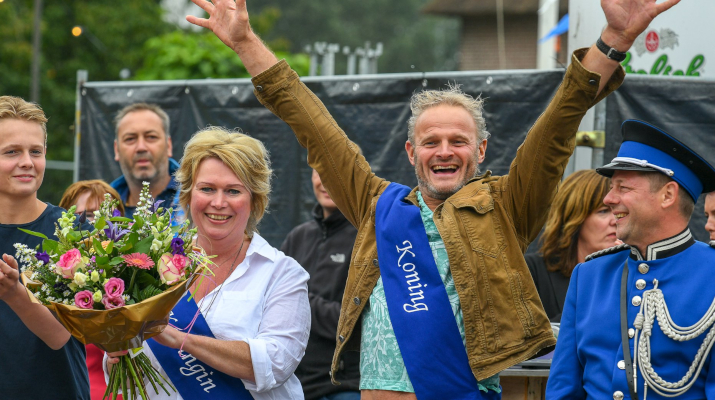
138 260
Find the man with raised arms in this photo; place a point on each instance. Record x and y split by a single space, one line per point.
437 272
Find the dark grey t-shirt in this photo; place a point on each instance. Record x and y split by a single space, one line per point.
31 369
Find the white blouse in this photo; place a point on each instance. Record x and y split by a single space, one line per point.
264 302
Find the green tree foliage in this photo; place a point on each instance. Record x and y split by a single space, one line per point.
185 54
113 38
410 38
129 34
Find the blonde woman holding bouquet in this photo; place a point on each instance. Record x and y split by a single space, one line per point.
254 318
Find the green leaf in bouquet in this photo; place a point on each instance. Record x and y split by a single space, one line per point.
50 246
149 291
102 261
33 233
132 238
110 247
144 279
100 224
135 293
144 245
98 247
138 223
121 219
116 261
129 241
74 236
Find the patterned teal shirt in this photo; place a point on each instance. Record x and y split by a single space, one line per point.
381 365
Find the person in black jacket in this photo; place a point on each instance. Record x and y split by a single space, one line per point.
578 224
323 247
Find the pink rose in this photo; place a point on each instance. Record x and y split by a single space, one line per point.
112 302
69 263
114 289
84 299
171 268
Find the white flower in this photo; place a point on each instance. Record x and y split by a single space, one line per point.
97 296
80 279
95 276
156 245
66 293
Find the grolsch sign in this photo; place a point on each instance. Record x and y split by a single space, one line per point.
677 43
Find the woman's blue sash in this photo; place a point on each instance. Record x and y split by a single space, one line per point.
191 377
421 315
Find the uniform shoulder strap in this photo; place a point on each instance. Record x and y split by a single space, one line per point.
610 250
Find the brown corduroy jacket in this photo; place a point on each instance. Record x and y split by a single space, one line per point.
486 226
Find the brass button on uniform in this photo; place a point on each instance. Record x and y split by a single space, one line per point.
617 395
643 268
636 301
621 364
640 284
631 333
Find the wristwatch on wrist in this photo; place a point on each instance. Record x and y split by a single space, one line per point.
610 52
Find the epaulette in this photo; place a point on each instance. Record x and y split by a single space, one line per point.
610 250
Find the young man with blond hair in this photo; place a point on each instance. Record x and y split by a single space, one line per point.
38 357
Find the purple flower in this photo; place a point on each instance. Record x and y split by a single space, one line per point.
156 205
177 246
114 232
42 256
116 213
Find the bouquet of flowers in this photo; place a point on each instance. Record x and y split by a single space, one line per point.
115 285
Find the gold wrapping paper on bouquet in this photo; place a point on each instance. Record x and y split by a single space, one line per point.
119 328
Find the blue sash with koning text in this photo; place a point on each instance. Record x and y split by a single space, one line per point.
420 312
192 378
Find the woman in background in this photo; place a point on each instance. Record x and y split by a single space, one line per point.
87 196
578 224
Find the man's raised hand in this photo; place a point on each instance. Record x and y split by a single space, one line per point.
228 20
627 19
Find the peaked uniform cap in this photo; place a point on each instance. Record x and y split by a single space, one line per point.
648 148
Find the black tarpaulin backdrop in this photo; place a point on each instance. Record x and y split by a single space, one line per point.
373 111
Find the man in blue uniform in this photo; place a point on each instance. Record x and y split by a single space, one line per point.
658 281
